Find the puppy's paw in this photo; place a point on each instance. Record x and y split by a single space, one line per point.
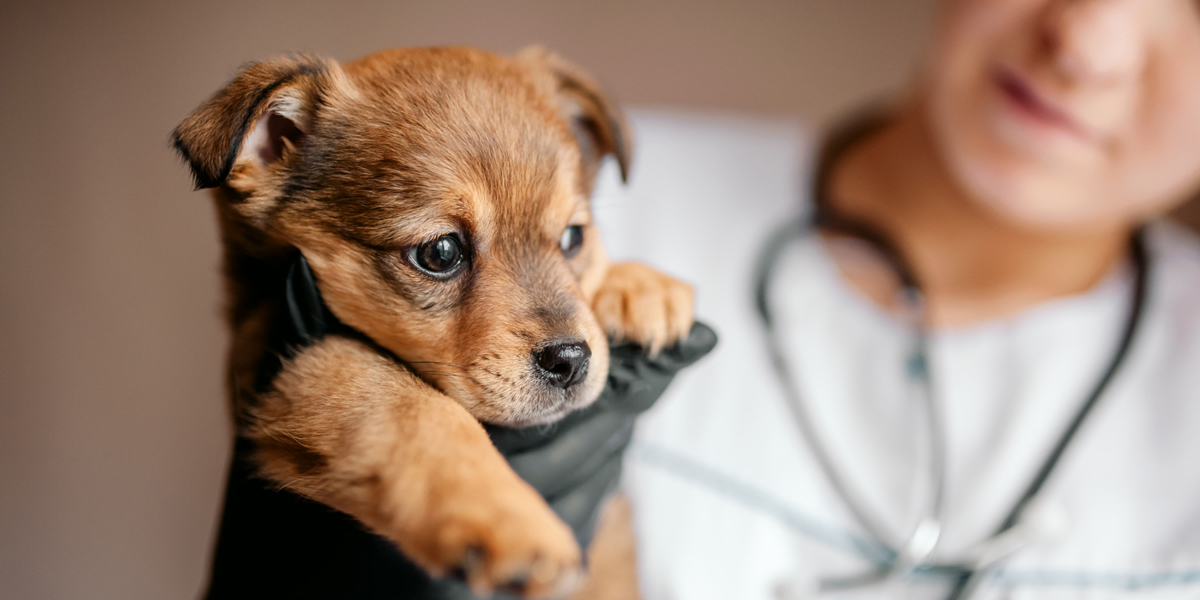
514 544
638 304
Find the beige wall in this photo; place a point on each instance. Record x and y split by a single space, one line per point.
113 437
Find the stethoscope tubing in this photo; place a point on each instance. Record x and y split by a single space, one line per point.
923 541
804 420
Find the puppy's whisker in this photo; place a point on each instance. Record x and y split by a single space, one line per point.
288 485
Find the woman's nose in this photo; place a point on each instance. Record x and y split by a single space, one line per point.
1094 41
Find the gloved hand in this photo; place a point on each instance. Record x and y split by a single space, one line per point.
575 463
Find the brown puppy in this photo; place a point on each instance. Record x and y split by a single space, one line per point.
441 197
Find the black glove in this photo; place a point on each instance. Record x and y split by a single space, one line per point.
575 463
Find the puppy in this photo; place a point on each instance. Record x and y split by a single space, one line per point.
441 198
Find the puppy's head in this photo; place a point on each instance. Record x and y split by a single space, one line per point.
441 197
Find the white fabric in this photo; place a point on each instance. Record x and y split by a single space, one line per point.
729 503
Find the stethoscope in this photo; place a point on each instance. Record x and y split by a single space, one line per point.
1021 525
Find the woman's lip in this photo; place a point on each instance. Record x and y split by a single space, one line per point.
1019 92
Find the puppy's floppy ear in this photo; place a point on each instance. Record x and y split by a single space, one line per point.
261 115
596 120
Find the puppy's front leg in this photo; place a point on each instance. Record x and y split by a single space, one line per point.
352 429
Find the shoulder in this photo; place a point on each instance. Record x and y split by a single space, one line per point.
707 190
700 180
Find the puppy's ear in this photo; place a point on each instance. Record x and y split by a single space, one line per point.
261 116
596 120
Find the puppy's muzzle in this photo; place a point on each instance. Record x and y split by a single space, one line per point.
563 363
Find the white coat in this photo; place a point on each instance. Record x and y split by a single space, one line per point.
729 503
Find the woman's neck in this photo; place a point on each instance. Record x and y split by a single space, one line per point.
973 264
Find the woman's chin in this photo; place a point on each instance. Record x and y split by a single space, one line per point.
1031 196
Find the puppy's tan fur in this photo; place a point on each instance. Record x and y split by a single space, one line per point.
355 166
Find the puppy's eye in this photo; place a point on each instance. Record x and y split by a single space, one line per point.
439 257
571 240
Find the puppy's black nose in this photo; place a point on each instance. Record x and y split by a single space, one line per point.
563 363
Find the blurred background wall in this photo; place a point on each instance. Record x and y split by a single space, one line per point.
113 432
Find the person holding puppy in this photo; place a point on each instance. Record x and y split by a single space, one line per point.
971 369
